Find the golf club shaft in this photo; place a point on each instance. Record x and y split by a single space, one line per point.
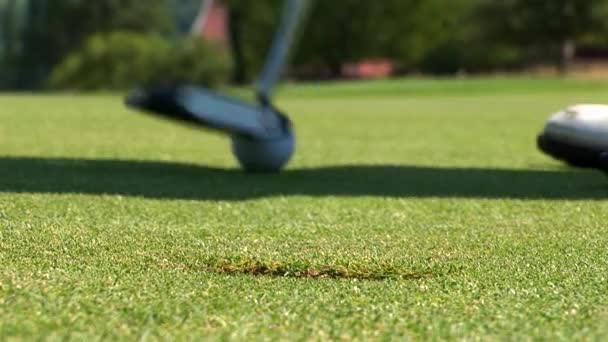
279 53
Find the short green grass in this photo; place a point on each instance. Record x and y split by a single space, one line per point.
413 209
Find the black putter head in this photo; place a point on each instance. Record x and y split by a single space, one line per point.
160 101
207 109
572 154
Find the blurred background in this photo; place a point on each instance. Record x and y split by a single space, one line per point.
115 44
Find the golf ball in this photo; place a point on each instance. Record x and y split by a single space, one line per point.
264 155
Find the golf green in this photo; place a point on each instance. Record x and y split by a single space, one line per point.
412 208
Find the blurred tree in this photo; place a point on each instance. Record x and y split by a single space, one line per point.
11 26
430 35
415 27
53 30
122 59
401 30
550 28
463 45
6 40
341 31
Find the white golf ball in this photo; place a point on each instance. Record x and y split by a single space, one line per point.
267 155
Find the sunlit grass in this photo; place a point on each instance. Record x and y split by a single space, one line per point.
414 208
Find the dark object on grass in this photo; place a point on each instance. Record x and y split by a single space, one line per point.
578 136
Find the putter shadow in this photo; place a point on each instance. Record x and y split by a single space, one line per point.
164 180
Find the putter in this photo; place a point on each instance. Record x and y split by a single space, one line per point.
578 135
262 136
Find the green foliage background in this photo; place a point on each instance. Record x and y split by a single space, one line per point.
122 59
430 36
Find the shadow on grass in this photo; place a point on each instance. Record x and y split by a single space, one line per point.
163 180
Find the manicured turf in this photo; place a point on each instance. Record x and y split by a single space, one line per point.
413 208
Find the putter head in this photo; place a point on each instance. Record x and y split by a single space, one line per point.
161 101
206 109
578 136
